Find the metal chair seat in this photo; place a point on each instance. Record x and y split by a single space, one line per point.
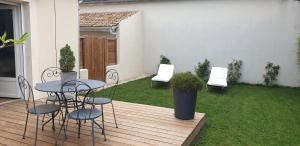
98 100
85 114
54 98
44 109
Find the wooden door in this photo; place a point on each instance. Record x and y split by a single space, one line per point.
111 51
92 57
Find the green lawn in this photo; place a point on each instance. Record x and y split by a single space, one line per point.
243 115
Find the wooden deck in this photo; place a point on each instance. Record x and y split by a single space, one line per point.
5 99
138 125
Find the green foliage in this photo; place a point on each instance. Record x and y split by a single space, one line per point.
4 41
245 115
186 81
202 70
234 71
271 74
67 59
164 60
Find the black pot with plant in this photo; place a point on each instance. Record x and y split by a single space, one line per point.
185 86
67 64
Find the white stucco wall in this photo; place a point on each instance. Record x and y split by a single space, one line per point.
130 48
190 31
39 49
67 32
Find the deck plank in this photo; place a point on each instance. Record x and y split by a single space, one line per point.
138 125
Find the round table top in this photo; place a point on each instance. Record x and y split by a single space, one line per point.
55 86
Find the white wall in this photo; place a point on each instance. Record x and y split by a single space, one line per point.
130 48
40 51
221 30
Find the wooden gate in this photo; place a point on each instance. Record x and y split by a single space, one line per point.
96 53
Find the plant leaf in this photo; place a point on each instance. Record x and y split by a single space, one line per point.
3 37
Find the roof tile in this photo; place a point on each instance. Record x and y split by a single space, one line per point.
103 19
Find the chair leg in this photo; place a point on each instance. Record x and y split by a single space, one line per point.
112 105
62 117
66 128
36 129
103 129
25 126
102 119
43 118
63 124
93 133
44 114
79 126
53 126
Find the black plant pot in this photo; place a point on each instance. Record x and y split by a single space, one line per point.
185 103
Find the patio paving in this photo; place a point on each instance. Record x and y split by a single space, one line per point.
138 125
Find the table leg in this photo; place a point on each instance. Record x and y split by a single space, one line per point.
64 116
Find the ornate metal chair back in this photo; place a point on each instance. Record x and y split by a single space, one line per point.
81 91
27 92
112 78
50 74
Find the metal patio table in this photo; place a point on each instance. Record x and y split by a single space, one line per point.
55 87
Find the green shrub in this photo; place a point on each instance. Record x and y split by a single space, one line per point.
234 71
271 74
202 70
67 59
186 81
164 60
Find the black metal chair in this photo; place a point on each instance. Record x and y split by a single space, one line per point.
50 74
32 108
82 112
112 77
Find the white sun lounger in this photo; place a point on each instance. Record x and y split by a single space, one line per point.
218 77
164 74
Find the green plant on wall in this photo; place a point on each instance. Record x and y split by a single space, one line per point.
234 71
271 74
4 42
164 60
202 70
67 59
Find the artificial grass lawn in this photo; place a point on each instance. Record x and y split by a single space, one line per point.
242 115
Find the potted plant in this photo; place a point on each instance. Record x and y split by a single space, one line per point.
185 86
67 63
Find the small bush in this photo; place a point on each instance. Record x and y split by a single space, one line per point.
186 81
164 60
67 59
234 71
271 74
202 70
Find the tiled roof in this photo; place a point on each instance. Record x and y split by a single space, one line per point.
104 19
113 1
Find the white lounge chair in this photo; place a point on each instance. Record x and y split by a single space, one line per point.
164 74
218 77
